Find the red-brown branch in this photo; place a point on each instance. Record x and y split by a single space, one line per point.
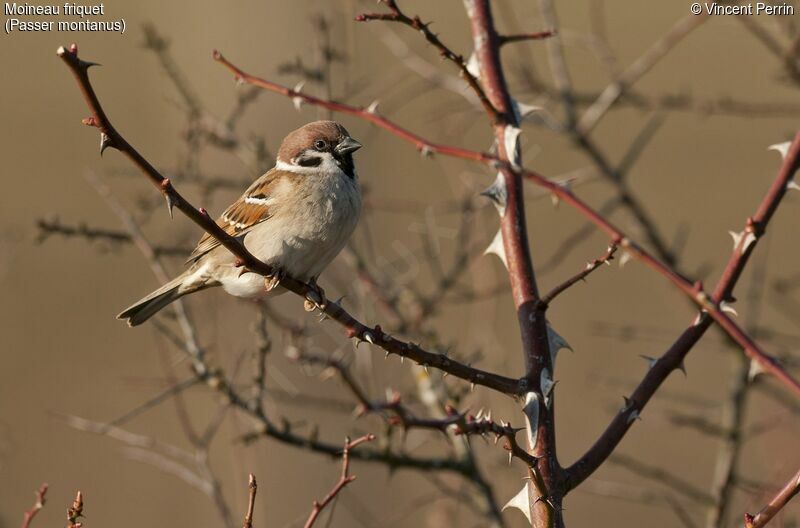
775 505
354 328
617 236
547 473
344 479
38 505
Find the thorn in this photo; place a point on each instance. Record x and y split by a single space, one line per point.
682 367
297 101
373 107
496 247
166 187
745 238
651 361
782 148
634 415
105 142
85 65
472 386
725 306
625 258
497 193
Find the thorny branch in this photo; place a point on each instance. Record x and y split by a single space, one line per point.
194 468
247 262
461 423
674 356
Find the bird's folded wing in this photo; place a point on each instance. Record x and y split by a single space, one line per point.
253 207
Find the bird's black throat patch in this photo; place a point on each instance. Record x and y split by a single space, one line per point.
346 163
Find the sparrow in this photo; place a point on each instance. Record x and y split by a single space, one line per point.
295 218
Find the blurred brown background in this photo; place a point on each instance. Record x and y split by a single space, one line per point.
64 353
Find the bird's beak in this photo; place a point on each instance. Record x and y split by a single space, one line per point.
347 145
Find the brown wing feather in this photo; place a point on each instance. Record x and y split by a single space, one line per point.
249 210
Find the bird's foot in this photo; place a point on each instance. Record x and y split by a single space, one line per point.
315 296
273 281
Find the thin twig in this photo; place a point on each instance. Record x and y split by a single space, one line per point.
590 267
252 487
775 505
344 479
38 505
396 15
75 512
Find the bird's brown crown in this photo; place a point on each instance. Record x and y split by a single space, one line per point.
307 135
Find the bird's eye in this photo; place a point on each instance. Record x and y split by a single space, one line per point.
320 144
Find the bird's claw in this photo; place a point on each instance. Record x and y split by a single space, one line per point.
273 281
315 296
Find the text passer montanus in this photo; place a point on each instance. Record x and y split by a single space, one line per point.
296 218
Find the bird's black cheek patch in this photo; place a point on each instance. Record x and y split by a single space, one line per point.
309 161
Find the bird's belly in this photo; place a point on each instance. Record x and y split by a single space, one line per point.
248 285
302 241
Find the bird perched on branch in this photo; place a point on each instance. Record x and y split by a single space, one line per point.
296 218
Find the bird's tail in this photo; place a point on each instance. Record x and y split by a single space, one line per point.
145 308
